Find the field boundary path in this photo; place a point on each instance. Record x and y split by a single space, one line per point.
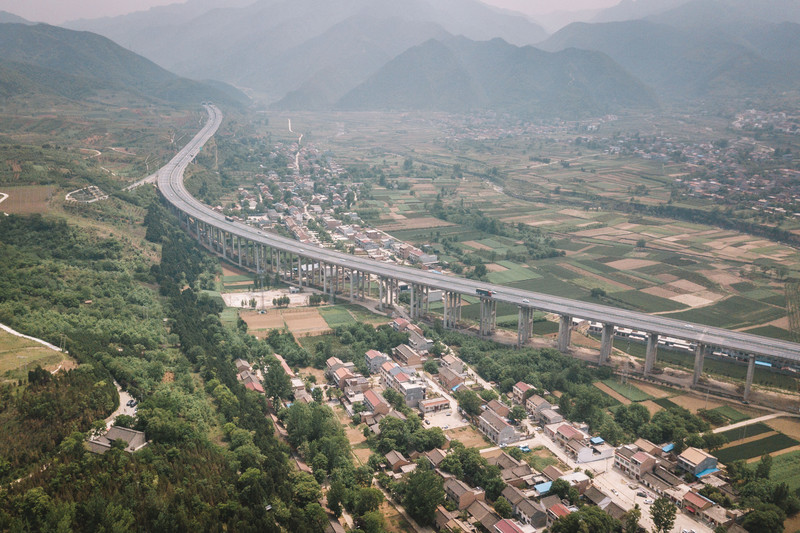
751 421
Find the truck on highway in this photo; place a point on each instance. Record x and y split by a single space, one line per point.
483 292
229 219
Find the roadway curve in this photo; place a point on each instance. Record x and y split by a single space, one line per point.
170 183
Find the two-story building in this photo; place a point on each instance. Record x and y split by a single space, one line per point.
519 390
697 462
461 493
633 462
496 428
374 360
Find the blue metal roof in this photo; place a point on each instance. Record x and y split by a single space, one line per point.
543 488
668 448
707 471
596 440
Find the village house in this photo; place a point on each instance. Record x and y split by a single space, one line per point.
497 429
460 493
500 409
518 392
697 462
374 360
536 404
375 402
434 405
134 440
407 356
449 379
633 462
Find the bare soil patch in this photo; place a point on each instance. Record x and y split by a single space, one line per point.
692 300
305 322
416 223
661 292
26 200
494 267
630 264
787 425
469 436
653 391
611 392
693 403
476 245
228 270
651 406
272 319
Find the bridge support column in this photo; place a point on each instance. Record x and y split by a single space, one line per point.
606 343
488 316
239 244
564 332
224 245
412 303
524 325
751 370
699 359
300 271
351 284
652 353
380 293
258 263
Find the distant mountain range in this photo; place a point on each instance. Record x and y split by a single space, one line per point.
310 52
701 48
458 74
420 54
42 59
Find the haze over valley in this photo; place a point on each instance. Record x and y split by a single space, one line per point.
389 266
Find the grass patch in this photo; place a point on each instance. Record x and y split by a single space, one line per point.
750 430
362 314
229 316
786 469
514 273
629 390
730 413
336 316
756 448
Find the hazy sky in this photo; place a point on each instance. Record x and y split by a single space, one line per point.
58 11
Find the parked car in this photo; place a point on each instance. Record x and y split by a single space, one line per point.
648 501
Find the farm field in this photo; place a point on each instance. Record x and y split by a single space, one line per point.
336 316
755 448
628 390
731 414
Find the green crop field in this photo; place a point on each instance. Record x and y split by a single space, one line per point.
514 273
229 316
750 430
362 314
730 413
732 312
755 448
629 390
666 403
336 316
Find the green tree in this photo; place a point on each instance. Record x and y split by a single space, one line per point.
431 366
517 414
372 522
588 519
424 493
469 401
663 514
630 521
764 467
503 507
765 517
277 383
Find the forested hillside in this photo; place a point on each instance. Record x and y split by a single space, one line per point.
212 463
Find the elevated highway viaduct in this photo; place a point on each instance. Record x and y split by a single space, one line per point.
356 277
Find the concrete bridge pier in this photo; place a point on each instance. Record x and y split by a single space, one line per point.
488 316
699 358
524 325
751 370
606 343
564 332
651 354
